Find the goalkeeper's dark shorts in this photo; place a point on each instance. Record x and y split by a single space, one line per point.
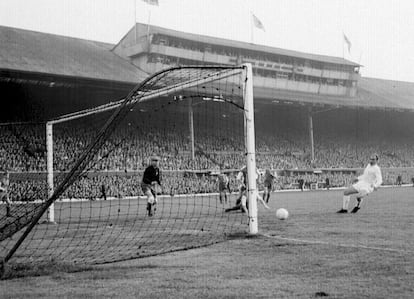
267 184
223 187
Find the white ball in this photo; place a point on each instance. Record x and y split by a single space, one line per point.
282 214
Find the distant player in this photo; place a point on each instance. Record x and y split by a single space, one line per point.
301 183
399 180
327 183
224 188
4 192
242 202
150 179
103 191
268 183
368 182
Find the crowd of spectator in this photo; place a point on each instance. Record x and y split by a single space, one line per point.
25 151
119 163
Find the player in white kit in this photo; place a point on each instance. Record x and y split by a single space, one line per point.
4 191
368 182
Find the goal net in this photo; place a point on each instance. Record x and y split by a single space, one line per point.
86 203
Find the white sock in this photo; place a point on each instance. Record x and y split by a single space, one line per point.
345 202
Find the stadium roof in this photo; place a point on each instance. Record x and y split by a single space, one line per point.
386 93
243 45
371 94
42 53
36 52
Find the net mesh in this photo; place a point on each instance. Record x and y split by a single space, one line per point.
191 117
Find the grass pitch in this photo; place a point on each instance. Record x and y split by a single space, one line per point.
314 253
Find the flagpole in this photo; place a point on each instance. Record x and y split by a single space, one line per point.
249 7
149 3
148 22
135 19
251 27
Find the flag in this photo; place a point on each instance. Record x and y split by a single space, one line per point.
257 22
151 2
348 42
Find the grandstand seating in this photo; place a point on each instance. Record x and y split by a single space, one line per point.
22 149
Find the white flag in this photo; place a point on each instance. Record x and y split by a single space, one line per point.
257 22
348 42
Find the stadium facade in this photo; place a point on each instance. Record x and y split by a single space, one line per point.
153 48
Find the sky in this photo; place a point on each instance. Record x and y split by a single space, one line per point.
381 32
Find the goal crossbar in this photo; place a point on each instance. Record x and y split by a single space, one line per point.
149 95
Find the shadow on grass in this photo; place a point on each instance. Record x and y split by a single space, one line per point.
10 271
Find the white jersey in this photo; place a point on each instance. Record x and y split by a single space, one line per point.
242 176
371 176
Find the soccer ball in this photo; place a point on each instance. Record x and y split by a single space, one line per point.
282 214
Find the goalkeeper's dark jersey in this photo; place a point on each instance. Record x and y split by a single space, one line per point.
151 174
268 179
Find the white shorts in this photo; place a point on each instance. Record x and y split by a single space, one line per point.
152 200
363 188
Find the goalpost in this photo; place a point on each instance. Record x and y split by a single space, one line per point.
199 119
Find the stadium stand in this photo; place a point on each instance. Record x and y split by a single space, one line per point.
284 150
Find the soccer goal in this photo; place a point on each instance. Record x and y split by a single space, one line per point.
198 121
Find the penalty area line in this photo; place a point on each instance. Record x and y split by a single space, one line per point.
337 244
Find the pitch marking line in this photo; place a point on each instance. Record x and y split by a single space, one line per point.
337 244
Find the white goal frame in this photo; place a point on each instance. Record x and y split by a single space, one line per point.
245 70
